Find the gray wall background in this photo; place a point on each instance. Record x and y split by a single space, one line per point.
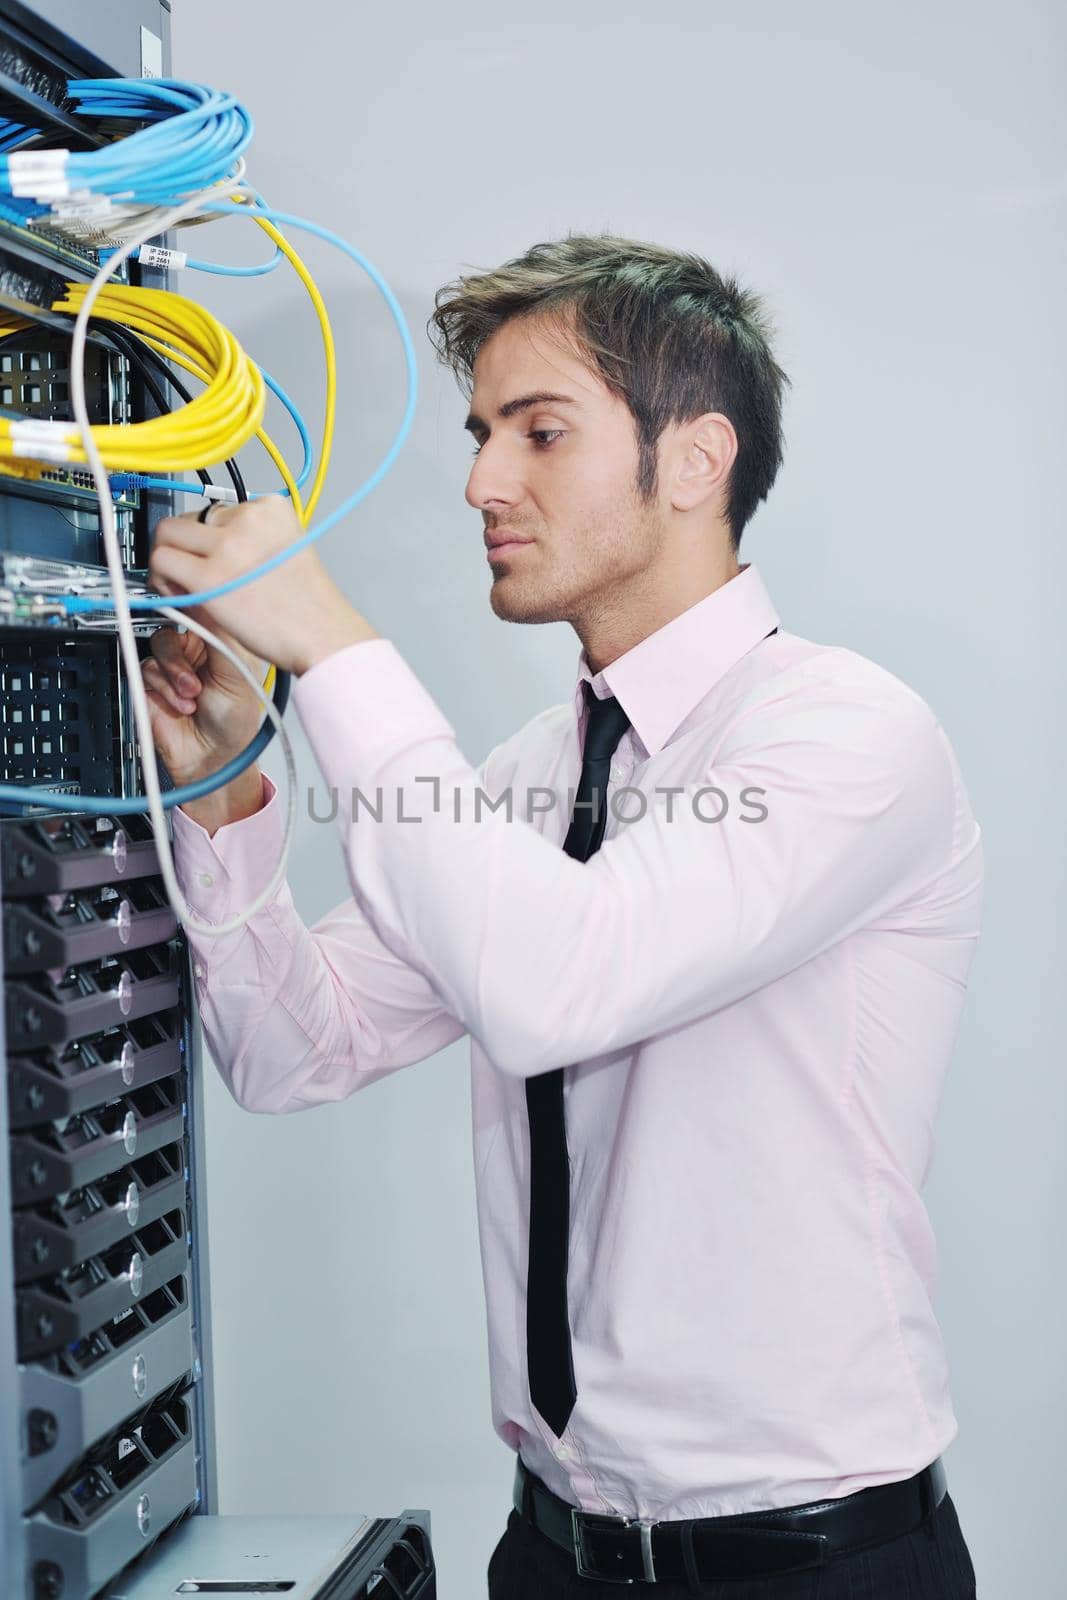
890 181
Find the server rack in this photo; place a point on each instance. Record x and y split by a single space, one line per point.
107 1446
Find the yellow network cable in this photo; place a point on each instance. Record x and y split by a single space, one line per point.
191 332
178 350
221 419
141 310
181 352
185 353
202 338
209 429
261 434
329 352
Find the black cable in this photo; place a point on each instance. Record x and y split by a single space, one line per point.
137 355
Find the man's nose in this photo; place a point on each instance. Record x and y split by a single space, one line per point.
492 481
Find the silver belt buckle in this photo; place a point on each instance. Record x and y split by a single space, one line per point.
625 1522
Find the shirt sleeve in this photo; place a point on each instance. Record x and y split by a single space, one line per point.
548 960
295 1016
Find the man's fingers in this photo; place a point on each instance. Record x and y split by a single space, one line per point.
181 656
178 652
187 532
173 569
184 656
161 709
167 690
218 663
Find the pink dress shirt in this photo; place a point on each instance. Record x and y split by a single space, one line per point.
754 984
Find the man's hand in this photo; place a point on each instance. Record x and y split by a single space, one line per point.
294 616
203 713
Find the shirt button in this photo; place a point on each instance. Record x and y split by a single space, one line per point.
618 772
205 879
562 1452
198 970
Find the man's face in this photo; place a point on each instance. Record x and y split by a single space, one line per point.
559 474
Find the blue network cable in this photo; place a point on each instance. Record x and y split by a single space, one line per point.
260 270
20 212
13 134
194 137
14 794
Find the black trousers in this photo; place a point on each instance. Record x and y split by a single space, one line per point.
930 1563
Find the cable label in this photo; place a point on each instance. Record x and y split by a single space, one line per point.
40 451
75 206
42 189
155 255
38 174
37 163
40 428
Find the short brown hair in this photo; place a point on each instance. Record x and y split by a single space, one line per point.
665 331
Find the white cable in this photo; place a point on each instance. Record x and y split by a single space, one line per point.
127 639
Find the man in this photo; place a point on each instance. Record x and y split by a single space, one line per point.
708 1034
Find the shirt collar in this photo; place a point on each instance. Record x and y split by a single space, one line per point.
660 680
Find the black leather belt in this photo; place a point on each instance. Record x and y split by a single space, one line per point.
752 1544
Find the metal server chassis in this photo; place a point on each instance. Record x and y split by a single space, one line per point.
107 1448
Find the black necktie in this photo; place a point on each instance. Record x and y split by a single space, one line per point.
548 1334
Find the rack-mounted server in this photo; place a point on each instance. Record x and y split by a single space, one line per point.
107 1444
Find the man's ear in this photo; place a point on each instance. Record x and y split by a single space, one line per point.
704 452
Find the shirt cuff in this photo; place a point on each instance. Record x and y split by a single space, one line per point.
363 705
220 874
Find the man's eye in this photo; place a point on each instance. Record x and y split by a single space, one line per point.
546 438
